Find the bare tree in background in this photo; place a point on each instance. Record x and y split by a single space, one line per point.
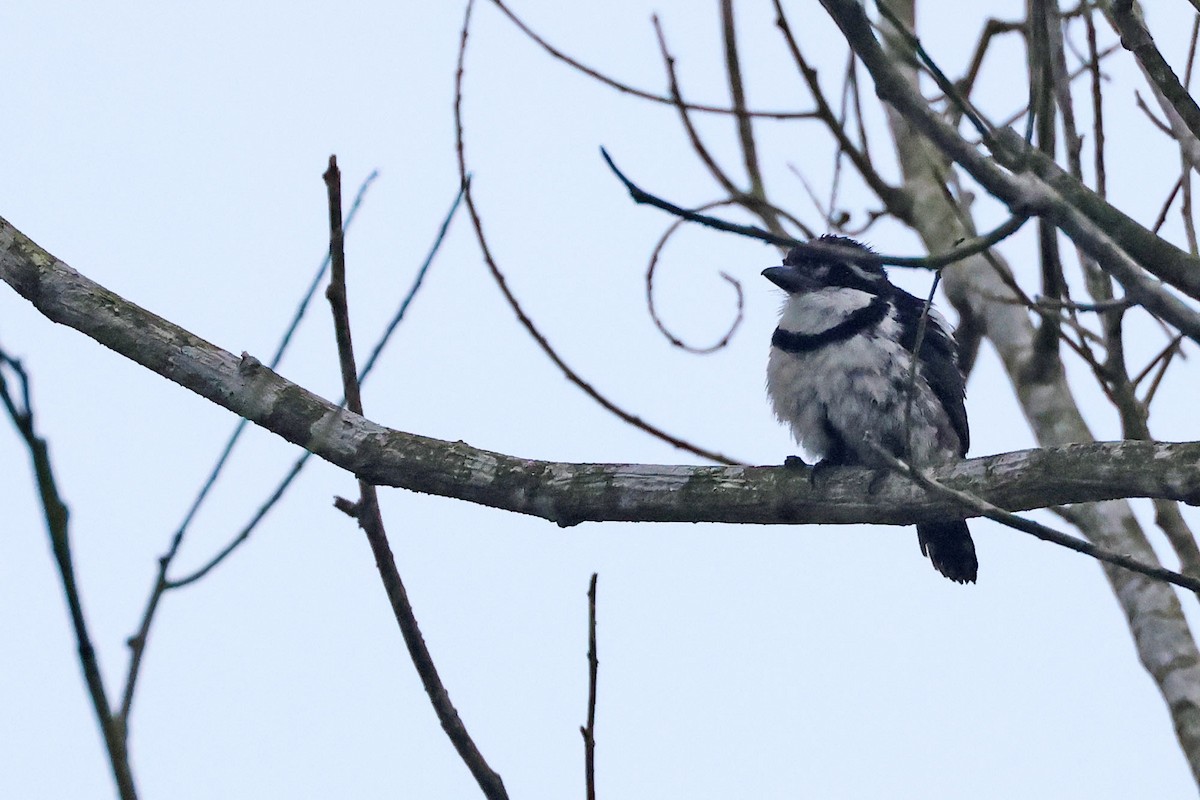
1047 173
1052 172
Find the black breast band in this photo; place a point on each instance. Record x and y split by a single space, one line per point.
867 316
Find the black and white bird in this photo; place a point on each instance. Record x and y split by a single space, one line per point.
840 375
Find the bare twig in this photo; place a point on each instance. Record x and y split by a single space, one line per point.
897 202
277 494
1166 206
1093 65
993 27
626 88
137 643
1116 304
522 317
1135 38
1042 532
755 197
1164 360
589 730
371 520
112 727
286 339
714 169
964 250
1012 118
1163 127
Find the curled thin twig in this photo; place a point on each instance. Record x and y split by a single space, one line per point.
653 266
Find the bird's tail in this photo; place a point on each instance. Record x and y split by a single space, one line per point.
949 547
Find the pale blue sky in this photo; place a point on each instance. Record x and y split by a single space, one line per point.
174 154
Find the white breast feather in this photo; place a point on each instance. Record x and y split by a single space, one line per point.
852 383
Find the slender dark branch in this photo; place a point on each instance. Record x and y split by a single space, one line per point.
1054 304
1166 352
54 510
336 293
371 520
1191 56
964 250
1185 202
849 90
714 169
1142 106
1093 64
755 197
641 196
737 92
1042 532
993 27
137 643
896 200
1136 38
1172 351
1166 206
527 323
915 360
626 88
284 341
953 96
589 730
244 534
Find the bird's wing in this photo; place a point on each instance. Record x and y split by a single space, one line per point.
938 360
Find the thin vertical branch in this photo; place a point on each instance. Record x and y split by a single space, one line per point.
367 512
898 202
589 730
756 195
714 169
277 494
137 642
112 728
1097 104
1044 31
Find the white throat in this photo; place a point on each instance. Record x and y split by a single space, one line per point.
814 312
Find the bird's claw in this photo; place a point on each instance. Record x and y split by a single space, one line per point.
819 469
794 462
878 476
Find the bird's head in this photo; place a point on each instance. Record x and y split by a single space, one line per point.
829 262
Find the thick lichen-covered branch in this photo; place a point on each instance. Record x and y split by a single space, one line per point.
572 493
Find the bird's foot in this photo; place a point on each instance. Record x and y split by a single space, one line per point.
820 468
878 476
794 462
